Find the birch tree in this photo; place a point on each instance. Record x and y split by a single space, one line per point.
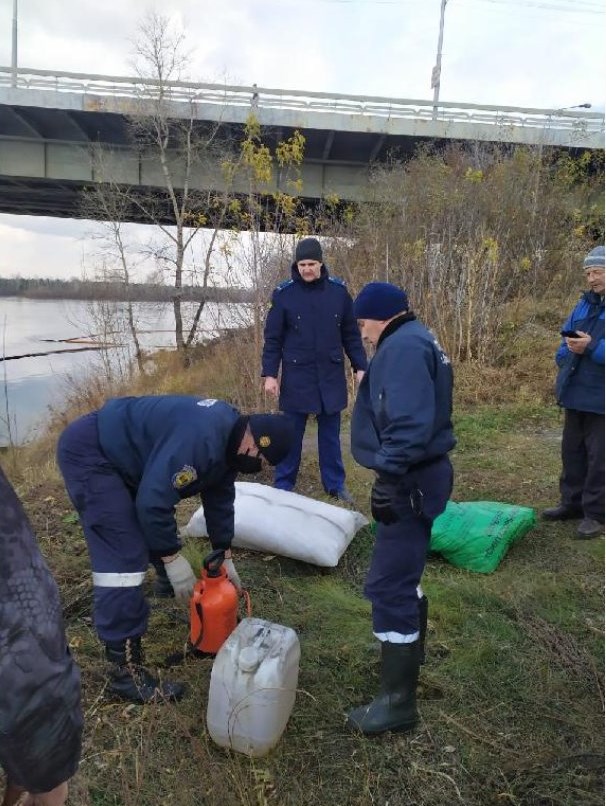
171 200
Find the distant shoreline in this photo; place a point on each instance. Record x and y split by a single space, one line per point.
41 289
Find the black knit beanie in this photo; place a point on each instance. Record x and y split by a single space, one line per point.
308 249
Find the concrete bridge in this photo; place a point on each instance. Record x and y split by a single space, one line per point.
51 124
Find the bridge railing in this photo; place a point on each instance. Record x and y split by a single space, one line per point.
225 96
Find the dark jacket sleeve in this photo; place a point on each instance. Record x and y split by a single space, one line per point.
563 352
157 498
405 406
218 505
273 338
40 712
352 339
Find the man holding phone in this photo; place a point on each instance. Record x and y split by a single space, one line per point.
580 392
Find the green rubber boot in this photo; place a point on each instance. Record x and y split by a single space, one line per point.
395 706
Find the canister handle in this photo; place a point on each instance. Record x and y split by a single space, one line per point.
213 562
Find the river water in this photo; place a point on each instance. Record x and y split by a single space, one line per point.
30 385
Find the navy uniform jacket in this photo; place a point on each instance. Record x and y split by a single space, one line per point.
402 413
580 383
40 713
307 328
167 448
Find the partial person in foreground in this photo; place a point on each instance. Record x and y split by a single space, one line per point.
580 392
126 467
40 712
401 428
309 326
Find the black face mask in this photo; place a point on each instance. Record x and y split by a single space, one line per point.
248 464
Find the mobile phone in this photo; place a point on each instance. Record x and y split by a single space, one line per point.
570 334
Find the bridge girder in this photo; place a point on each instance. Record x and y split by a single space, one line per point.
53 127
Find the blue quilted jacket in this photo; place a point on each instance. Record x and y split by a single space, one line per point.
580 382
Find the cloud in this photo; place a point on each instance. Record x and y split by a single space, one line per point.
46 248
519 59
494 53
383 48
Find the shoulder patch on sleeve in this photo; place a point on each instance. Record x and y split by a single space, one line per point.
337 281
184 477
284 285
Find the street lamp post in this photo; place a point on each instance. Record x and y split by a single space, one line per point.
435 73
14 48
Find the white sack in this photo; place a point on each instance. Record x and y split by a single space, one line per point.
286 523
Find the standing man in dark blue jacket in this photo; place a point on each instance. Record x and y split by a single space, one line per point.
580 392
401 428
126 467
309 324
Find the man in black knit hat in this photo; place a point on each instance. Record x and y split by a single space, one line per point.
309 325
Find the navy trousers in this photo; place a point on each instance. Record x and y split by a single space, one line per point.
332 471
400 549
582 479
116 544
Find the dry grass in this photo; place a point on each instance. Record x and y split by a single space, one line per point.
511 696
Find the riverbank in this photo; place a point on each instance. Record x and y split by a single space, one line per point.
510 696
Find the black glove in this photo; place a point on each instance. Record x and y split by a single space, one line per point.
382 498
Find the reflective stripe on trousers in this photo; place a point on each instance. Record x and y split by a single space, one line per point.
101 580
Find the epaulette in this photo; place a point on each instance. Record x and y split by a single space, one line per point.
284 285
337 280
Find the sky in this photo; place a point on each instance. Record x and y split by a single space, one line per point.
537 53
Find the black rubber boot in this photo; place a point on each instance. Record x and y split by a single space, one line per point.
130 680
162 588
395 707
423 612
563 512
589 527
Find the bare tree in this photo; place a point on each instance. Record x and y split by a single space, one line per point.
6 418
269 207
469 233
171 200
212 197
108 203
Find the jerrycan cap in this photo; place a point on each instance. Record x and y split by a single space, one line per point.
249 659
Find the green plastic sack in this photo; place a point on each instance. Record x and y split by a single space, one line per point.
476 535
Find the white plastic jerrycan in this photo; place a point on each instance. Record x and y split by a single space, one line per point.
253 685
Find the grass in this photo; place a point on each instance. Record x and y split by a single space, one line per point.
511 696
